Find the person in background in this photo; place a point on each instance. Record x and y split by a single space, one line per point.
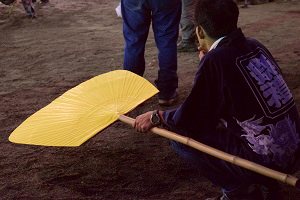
239 104
187 25
29 8
165 17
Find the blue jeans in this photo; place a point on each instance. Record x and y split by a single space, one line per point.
165 16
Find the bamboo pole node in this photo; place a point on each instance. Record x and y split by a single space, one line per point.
188 141
234 159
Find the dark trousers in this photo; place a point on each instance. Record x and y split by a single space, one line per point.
187 23
165 17
28 7
231 178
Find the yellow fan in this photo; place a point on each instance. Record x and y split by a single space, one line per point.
84 110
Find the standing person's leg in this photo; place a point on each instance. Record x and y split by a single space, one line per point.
187 25
29 8
165 19
136 23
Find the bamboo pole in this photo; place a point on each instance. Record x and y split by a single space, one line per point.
286 178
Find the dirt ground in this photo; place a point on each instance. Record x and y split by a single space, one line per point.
73 41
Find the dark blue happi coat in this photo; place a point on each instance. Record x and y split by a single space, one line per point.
240 84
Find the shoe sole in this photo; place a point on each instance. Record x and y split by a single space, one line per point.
167 102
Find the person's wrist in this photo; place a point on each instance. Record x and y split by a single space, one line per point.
155 118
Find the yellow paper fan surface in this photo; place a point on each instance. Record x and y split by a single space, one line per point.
84 110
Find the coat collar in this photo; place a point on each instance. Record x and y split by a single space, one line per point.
234 37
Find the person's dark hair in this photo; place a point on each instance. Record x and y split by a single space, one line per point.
217 17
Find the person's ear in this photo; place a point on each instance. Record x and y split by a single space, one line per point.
201 32
197 33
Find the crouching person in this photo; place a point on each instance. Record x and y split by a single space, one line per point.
239 86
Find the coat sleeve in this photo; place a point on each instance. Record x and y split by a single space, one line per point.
199 111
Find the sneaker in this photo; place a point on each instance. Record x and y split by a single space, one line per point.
168 102
187 47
